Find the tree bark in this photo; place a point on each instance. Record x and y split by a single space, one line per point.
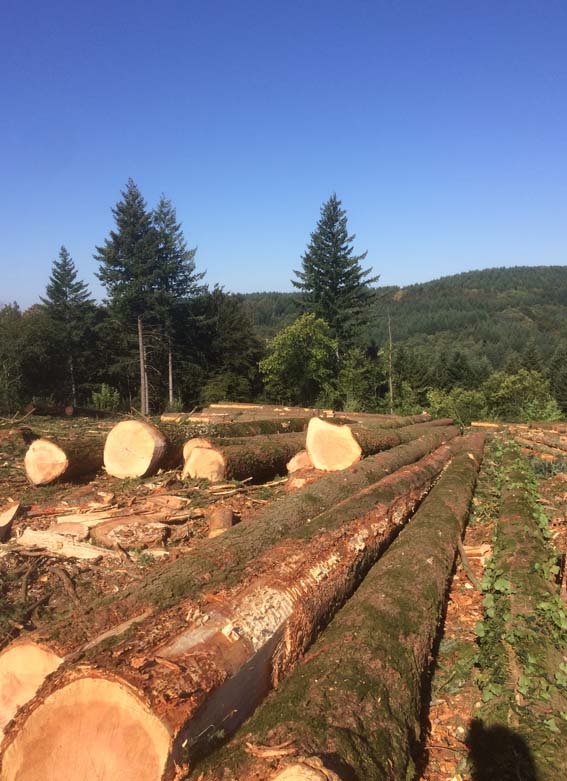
48 460
208 663
357 696
331 502
170 374
142 354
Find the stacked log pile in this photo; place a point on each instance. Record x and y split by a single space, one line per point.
193 661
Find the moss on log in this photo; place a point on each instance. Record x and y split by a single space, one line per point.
523 640
226 647
72 458
368 665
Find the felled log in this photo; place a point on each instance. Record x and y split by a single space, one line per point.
203 666
300 461
357 696
137 448
7 514
73 458
331 502
240 428
549 439
333 447
261 457
520 632
68 411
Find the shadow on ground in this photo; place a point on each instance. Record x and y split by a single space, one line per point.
498 754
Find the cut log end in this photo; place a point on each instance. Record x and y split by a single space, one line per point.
194 442
205 463
331 447
303 772
133 448
299 462
45 462
91 728
23 668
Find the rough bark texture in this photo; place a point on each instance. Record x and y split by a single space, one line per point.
557 441
334 499
260 457
47 460
194 426
209 662
355 701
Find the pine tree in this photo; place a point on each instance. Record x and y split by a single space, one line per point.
68 302
129 269
335 286
177 277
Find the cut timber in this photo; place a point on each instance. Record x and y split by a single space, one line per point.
330 503
261 458
130 533
369 664
217 658
47 460
299 462
194 442
485 424
194 426
333 447
23 668
60 544
7 514
220 520
136 448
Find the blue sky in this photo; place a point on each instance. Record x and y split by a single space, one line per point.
442 126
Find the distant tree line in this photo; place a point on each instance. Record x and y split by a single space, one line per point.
489 344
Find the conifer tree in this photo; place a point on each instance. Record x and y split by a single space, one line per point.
177 277
68 302
335 286
129 269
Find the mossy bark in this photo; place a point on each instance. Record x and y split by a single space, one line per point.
355 702
270 616
523 641
219 563
84 455
261 457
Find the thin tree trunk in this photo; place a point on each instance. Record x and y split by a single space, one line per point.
170 374
142 353
390 381
72 378
146 384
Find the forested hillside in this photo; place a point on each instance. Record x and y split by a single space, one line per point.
494 313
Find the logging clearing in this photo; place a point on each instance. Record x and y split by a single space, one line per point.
208 622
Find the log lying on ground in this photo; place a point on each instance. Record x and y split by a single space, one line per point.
557 441
356 699
220 519
137 448
48 460
215 564
538 448
203 665
67 411
522 654
261 458
332 447
248 428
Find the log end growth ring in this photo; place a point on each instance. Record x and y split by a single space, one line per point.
331 447
205 463
44 462
23 668
133 448
91 728
194 442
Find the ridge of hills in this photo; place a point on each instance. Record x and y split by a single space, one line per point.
493 312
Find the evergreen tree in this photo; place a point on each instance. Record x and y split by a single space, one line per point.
129 269
177 278
531 359
335 286
68 303
558 376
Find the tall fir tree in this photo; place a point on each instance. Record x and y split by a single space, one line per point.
334 284
68 304
129 269
178 279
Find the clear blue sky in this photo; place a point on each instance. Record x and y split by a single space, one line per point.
442 126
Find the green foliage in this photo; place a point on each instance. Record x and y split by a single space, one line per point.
106 398
462 405
300 365
335 286
362 380
523 396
